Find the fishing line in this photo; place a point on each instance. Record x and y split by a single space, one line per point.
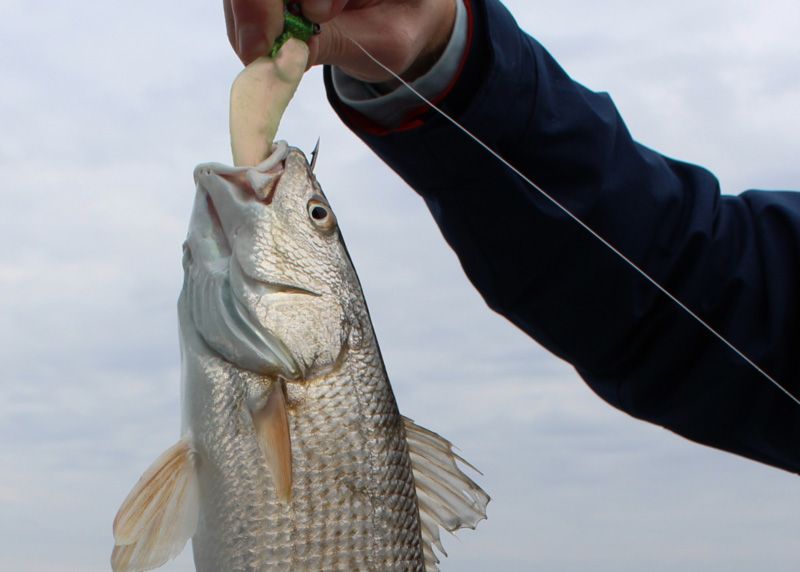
588 229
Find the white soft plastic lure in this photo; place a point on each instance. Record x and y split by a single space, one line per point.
294 455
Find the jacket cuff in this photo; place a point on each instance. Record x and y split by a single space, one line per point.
390 109
362 108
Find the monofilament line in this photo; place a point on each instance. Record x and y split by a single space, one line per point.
588 229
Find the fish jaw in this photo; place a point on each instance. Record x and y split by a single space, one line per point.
213 305
232 193
268 240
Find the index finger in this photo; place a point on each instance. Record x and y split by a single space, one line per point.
253 26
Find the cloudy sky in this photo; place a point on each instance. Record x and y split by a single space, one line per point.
105 108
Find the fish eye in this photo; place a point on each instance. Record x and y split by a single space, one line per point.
321 215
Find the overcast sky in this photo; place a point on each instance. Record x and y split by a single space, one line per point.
105 108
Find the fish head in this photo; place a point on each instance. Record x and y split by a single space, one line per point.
269 284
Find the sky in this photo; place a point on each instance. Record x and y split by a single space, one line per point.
106 107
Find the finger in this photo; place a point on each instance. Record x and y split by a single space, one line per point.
326 10
322 11
368 28
230 22
313 52
256 25
335 47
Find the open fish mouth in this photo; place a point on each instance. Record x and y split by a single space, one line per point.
260 185
250 182
230 191
231 196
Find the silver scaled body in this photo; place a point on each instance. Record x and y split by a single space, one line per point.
294 455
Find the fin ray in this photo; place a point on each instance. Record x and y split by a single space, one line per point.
272 432
160 513
445 495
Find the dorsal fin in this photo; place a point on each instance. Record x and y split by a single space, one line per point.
160 513
446 496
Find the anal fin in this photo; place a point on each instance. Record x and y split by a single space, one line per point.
271 423
160 513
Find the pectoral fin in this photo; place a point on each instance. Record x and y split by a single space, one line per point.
272 432
445 495
160 513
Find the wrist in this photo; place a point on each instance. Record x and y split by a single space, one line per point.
388 107
438 36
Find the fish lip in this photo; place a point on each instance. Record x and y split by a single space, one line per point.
243 186
259 185
257 182
229 188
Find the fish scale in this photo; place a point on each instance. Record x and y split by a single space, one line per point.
366 459
355 484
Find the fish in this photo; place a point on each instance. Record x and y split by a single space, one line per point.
293 455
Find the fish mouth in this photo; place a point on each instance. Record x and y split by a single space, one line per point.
240 186
260 185
223 294
230 193
246 183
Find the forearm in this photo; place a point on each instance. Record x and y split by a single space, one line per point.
550 277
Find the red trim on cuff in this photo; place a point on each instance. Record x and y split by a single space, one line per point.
412 117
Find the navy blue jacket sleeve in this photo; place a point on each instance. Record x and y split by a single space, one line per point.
732 259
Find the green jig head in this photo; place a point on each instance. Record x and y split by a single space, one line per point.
295 25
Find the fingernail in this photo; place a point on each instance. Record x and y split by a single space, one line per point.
251 41
317 8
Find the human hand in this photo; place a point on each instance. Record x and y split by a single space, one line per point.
407 36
